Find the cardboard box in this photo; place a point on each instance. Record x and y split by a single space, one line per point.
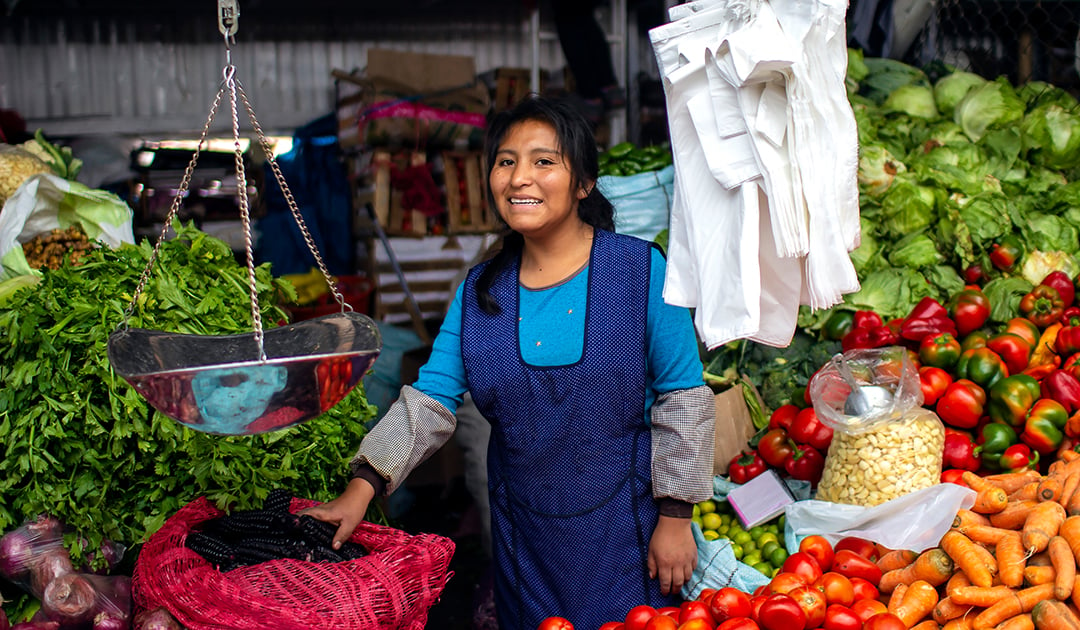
734 427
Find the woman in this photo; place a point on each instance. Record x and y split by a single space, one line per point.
601 426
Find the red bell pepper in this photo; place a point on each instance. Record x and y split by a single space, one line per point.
933 381
942 350
807 428
928 317
1043 306
1063 387
962 404
1023 328
745 466
881 336
783 416
1044 428
970 308
1063 284
960 452
1070 316
1006 252
982 366
1067 342
1072 365
857 339
866 319
1010 399
1013 349
954 475
1019 457
805 463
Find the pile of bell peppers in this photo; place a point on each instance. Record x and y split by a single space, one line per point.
794 444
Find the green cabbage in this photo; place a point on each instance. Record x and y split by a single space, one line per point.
1051 135
877 168
892 292
913 100
907 207
915 250
994 103
951 89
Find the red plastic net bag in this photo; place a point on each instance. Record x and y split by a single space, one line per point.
391 587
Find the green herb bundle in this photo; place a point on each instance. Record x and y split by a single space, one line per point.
83 445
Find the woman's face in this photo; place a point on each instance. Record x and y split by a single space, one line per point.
531 181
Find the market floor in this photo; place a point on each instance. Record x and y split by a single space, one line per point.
448 511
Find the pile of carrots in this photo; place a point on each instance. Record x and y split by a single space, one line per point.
1009 562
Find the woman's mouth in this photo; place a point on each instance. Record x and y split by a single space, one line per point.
521 201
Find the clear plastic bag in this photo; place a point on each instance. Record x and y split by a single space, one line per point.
86 600
889 450
33 554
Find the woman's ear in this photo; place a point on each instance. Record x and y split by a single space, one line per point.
585 189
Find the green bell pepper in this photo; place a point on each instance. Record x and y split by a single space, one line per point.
839 324
941 350
974 340
1045 426
994 438
1019 457
982 366
1010 399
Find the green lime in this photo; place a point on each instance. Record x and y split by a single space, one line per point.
773 529
750 546
751 558
707 506
742 537
767 537
737 550
697 519
726 518
777 557
757 531
711 521
697 510
764 568
723 529
768 548
710 534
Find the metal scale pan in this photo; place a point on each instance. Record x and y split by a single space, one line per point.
249 383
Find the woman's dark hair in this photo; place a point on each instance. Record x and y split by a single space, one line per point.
578 147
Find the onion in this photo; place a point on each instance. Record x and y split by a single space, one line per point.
69 599
16 551
48 565
110 621
37 625
157 619
4 623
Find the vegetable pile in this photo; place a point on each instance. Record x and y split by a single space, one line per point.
83 446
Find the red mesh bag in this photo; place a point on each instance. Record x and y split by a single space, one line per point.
391 587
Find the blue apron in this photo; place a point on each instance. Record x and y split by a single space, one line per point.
569 461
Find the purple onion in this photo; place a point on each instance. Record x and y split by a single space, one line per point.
157 619
49 565
69 599
110 621
46 529
16 551
4 623
37 625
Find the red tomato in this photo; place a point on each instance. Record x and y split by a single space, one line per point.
813 604
729 602
694 610
785 581
639 616
820 548
867 608
863 589
696 624
884 621
662 622
836 588
741 623
555 623
755 605
612 625
670 611
781 612
706 594
861 546
761 590
839 617
853 565
803 565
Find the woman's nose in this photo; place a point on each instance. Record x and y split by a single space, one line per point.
521 175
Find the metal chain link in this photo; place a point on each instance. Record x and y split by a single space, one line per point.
268 150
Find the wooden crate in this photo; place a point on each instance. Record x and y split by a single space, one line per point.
511 85
466 203
387 201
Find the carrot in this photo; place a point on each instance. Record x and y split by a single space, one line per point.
1019 622
968 557
985 534
1051 614
1014 515
1068 487
917 602
1075 593
947 609
959 579
1030 492
1011 559
1072 507
1015 603
929 624
896 597
1050 488
1042 523
896 559
1011 482
1034 576
960 623
933 566
983 596
1061 556
967 518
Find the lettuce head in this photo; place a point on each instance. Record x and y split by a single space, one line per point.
992 104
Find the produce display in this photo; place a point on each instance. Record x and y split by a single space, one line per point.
625 159
760 546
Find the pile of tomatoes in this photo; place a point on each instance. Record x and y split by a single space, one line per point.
819 586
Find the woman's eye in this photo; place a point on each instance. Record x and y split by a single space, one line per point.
506 162
545 162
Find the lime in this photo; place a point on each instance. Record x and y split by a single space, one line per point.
766 538
697 510
774 572
707 506
751 546
723 530
751 557
757 531
777 557
768 548
697 519
742 537
764 568
709 534
726 518
711 520
737 550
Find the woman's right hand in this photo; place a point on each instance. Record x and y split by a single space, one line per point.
346 511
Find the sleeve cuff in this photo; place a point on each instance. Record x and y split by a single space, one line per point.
372 476
675 508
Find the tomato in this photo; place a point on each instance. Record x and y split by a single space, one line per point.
863 589
781 612
706 594
639 616
695 610
867 608
670 611
740 623
555 623
820 548
696 624
785 581
813 604
729 602
803 565
662 622
884 621
861 546
851 564
612 625
836 588
840 617
774 447
761 590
